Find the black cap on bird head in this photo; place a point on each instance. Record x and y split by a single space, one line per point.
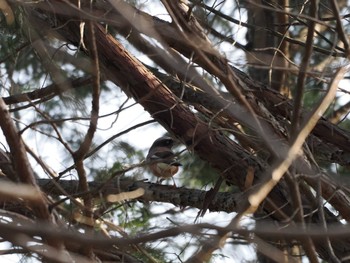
164 141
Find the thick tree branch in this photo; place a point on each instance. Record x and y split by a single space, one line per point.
184 197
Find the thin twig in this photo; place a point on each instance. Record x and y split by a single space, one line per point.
298 99
341 32
92 152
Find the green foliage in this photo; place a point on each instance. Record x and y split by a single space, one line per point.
124 154
197 173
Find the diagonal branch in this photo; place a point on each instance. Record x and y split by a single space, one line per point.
23 167
256 198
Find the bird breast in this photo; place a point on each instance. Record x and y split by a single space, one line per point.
164 170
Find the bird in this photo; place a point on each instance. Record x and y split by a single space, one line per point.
162 160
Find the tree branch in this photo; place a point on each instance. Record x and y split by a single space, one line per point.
184 197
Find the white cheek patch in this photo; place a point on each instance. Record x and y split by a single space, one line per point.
155 157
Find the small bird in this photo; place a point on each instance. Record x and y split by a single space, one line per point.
162 160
